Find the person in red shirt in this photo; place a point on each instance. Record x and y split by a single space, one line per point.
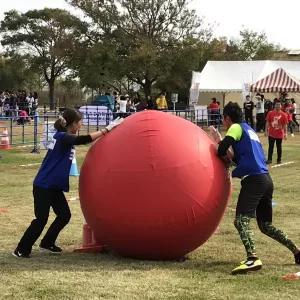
289 110
276 130
214 111
23 118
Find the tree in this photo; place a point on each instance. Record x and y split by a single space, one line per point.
16 73
12 73
250 45
69 92
141 35
47 36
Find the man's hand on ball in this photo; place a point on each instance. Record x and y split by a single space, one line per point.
114 123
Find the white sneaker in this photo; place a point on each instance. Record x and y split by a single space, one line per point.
292 135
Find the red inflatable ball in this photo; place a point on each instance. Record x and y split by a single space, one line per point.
153 188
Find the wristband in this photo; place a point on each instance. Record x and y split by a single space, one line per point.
104 133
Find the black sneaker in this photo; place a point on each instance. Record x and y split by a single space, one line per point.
17 254
269 162
297 259
53 249
278 161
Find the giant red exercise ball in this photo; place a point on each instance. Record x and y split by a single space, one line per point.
153 188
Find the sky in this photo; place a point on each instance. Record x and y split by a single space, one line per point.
278 22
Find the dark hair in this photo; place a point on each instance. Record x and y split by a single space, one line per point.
293 100
234 112
70 115
277 101
123 98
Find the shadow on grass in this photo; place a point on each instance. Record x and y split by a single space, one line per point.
110 261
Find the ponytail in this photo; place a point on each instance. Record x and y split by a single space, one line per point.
70 115
60 124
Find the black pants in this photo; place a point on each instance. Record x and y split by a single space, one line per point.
295 120
260 122
43 200
291 127
214 118
271 148
249 119
255 198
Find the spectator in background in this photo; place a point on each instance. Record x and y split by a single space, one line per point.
288 109
220 118
29 103
213 111
134 105
162 102
35 102
260 113
23 118
248 108
268 106
13 105
123 105
150 104
295 113
2 99
276 131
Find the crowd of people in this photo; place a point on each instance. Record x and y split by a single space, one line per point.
20 106
124 105
264 106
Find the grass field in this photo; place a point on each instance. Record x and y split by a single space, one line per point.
105 276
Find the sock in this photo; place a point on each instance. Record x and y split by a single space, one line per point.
297 258
242 224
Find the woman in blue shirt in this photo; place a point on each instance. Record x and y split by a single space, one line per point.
52 181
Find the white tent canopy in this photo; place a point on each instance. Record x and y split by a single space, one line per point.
227 76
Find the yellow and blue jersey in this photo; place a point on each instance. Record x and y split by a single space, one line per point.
248 151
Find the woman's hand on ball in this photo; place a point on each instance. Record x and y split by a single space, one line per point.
215 134
114 124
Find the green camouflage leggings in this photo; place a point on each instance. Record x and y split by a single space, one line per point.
242 224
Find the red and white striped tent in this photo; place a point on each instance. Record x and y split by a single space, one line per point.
278 81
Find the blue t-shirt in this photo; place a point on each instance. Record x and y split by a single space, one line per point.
248 151
55 169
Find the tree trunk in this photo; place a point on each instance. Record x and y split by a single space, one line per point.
147 86
51 84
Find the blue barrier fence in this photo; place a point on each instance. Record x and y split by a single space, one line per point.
36 132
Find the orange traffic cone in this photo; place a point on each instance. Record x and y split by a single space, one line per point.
89 243
294 276
5 140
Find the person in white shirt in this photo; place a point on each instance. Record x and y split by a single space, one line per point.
260 113
122 101
295 113
30 101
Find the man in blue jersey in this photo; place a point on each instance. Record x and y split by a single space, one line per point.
255 198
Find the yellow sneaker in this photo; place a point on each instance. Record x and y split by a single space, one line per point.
252 264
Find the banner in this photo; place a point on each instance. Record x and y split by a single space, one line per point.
48 133
201 113
195 88
96 115
247 79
